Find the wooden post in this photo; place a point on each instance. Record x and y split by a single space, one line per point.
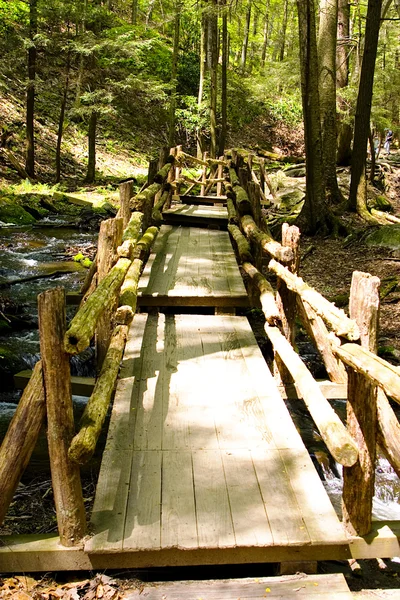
65 475
125 194
220 174
162 159
359 480
21 437
204 176
110 237
153 169
254 197
171 179
286 300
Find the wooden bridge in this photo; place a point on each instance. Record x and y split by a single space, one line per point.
203 464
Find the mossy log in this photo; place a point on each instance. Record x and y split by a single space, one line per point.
234 179
267 296
161 176
84 443
130 236
145 243
83 325
232 214
372 366
242 244
333 316
267 243
21 437
125 194
342 447
385 216
140 201
243 203
128 295
229 190
156 214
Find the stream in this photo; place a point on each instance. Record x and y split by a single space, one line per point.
38 250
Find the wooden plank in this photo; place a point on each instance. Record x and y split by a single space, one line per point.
332 587
143 515
320 518
187 199
214 520
331 391
108 516
178 512
287 526
197 211
80 386
250 521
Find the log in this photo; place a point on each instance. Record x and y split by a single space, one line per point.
268 244
220 177
143 202
388 431
110 237
156 214
161 176
333 316
21 437
243 246
333 432
267 297
83 325
378 370
384 215
89 276
152 170
234 179
232 215
65 475
256 181
14 162
145 243
243 204
130 236
359 479
84 443
318 332
128 295
125 194
204 175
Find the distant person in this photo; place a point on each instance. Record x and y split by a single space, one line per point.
388 141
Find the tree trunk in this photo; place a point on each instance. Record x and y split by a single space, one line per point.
283 30
174 68
345 130
265 35
134 10
327 88
364 102
91 169
314 206
62 116
30 94
246 33
203 69
224 80
213 38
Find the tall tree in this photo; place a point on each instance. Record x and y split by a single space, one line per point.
327 90
203 70
283 30
213 65
314 207
265 34
345 129
224 79
30 95
358 191
174 69
246 34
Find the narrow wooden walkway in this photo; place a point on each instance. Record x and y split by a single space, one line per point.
203 464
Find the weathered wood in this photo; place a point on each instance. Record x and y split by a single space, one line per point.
125 194
367 363
243 246
110 237
65 476
333 316
234 179
268 244
84 443
130 236
267 297
162 174
143 202
145 243
359 479
89 276
232 214
152 170
156 213
204 175
220 173
129 289
21 437
318 332
285 298
340 444
83 325
388 431
243 204
258 184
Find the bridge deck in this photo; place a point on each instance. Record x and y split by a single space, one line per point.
203 463
190 266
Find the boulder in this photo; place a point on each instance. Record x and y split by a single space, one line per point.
387 236
10 212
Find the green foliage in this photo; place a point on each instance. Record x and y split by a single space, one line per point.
11 13
188 74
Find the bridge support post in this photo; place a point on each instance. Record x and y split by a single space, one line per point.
359 480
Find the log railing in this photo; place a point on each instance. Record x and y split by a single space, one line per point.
347 345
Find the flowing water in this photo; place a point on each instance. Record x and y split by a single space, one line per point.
31 251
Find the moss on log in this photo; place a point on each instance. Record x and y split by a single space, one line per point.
130 236
333 316
341 445
83 325
267 243
267 296
243 246
156 214
243 203
232 215
145 243
128 295
84 443
21 437
162 174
